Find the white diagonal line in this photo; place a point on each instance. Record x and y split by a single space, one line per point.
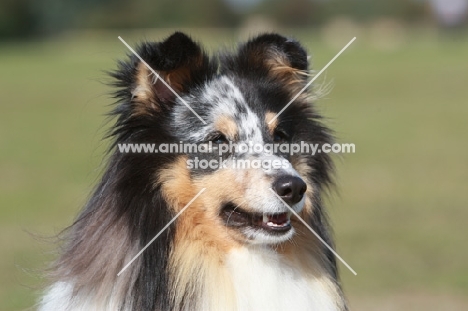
162 80
311 81
159 233
315 233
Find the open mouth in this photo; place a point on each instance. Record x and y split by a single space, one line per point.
275 223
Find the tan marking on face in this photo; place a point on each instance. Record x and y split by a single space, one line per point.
271 126
176 184
299 163
201 220
227 126
222 187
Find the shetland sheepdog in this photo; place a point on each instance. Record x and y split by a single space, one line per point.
237 246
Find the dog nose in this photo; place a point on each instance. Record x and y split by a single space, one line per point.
290 188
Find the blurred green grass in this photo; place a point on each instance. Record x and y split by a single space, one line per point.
401 213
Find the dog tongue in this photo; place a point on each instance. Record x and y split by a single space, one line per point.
278 218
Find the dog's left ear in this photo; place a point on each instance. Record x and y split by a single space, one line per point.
272 56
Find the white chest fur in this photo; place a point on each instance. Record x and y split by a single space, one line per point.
264 281
254 279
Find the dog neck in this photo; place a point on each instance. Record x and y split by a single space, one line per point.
256 278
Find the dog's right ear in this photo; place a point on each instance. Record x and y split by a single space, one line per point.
271 56
178 60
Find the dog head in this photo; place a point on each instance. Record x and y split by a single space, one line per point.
179 95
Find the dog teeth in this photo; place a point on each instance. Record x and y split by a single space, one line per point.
269 223
272 224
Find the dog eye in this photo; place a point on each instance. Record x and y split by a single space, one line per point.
219 139
279 136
